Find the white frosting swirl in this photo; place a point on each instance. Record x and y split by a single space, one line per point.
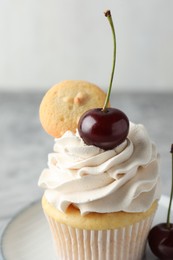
123 179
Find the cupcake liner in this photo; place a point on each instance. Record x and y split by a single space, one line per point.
127 243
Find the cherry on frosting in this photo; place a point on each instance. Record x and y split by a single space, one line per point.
105 127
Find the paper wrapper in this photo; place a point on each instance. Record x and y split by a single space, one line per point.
126 243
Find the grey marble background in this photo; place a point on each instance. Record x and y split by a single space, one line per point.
24 145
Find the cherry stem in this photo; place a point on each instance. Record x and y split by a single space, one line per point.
109 17
171 195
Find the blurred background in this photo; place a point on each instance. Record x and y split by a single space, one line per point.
43 42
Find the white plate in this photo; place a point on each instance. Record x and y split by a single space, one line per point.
27 236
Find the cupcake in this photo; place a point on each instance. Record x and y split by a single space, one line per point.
102 182
100 203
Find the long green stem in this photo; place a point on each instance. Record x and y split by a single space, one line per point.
171 195
109 17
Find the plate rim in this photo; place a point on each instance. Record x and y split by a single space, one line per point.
6 226
163 198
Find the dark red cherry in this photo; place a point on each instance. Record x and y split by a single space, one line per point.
160 237
104 129
160 240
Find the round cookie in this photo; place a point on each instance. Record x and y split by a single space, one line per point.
64 103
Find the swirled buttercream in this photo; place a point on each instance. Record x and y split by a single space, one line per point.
123 179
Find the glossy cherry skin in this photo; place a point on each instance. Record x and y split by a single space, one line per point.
160 240
103 129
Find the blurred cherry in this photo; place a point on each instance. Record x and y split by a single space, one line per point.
160 237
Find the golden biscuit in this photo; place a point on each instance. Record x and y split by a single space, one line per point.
64 103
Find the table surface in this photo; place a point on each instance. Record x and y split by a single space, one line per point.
24 144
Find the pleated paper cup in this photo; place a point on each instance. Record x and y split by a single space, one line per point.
126 243
123 243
